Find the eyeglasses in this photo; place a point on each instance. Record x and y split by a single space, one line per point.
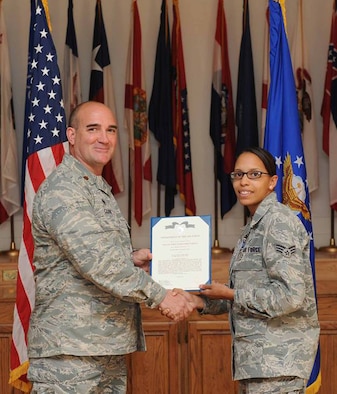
236 175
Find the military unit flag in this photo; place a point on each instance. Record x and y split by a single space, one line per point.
283 140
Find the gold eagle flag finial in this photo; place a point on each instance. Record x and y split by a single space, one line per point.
292 186
283 9
46 10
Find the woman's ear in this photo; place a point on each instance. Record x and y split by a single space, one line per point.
273 182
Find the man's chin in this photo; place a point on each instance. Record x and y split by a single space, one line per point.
104 159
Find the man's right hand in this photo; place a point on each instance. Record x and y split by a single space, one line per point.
177 306
193 298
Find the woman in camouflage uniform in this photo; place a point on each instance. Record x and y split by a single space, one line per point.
270 297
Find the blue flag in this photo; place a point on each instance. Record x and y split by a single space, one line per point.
283 140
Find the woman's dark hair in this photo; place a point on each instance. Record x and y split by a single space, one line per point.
265 156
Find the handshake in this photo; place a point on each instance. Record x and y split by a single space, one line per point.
179 304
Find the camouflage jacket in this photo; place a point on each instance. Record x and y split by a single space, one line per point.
273 317
87 288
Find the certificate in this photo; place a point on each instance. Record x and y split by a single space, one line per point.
181 251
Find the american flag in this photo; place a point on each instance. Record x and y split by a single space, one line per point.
43 149
180 118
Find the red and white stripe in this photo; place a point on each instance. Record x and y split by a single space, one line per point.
39 165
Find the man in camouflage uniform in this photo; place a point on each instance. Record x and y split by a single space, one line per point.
270 297
88 281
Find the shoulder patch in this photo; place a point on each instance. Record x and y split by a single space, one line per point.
285 251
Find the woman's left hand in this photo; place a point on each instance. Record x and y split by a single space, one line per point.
217 290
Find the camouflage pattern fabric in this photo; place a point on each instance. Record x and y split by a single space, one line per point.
273 317
280 385
87 289
78 375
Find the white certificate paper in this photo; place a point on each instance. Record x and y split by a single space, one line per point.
181 251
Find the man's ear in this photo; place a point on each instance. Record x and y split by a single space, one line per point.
71 133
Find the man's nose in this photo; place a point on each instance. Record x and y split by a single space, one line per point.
103 136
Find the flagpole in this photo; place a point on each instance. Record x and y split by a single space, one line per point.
332 248
216 246
129 194
158 199
12 251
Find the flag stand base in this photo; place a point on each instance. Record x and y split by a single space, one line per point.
218 249
332 248
12 252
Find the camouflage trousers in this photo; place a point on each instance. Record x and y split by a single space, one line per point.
281 385
78 375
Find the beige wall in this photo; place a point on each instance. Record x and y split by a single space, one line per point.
198 27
